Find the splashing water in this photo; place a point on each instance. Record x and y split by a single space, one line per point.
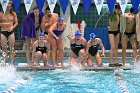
75 66
137 66
7 73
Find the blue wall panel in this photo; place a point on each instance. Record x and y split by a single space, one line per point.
102 33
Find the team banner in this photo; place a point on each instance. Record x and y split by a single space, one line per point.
75 5
99 4
4 4
111 4
123 4
40 4
52 4
16 4
135 4
87 4
28 4
64 4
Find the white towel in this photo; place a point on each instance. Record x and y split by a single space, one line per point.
123 23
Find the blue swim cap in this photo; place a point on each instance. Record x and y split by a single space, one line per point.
60 19
92 35
78 33
41 34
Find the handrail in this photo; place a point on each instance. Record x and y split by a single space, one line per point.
100 18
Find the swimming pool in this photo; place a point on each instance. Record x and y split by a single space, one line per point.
72 81
67 81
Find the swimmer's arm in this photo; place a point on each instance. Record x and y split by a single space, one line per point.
47 24
87 47
15 21
102 46
84 42
0 18
70 37
51 30
33 52
55 17
137 23
48 52
43 23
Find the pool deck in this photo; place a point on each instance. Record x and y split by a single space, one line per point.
129 52
23 67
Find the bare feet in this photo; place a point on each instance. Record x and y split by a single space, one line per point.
62 65
123 65
54 65
29 64
46 65
36 65
57 64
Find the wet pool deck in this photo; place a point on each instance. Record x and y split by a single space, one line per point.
129 52
23 67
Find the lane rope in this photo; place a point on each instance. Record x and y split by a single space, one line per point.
120 81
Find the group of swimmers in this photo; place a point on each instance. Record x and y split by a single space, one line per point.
126 26
43 33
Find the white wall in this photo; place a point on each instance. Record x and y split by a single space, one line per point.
67 30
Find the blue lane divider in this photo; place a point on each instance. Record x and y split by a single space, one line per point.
120 81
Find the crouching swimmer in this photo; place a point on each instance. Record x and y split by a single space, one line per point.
92 50
41 49
78 45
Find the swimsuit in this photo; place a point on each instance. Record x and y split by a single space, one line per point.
76 48
41 49
115 33
93 49
6 33
58 32
46 33
129 34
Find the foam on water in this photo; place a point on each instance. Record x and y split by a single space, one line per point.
75 66
137 66
7 73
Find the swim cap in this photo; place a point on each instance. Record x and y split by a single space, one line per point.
41 34
78 33
92 35
60 19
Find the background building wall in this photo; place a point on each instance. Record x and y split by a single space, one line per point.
71 19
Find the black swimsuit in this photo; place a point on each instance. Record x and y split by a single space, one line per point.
129 34
115 33
41 49
6 33
93 49
76 48
46 32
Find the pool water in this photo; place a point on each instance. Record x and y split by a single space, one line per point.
132 79
69 81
